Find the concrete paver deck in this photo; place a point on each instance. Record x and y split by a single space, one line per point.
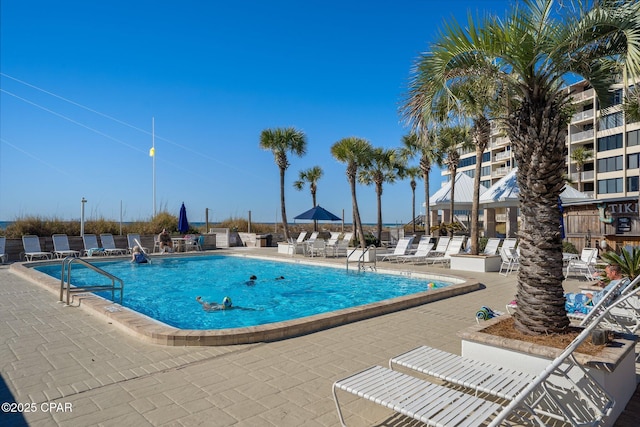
73 368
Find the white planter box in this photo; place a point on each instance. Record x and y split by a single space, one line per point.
369 256
285 248
616 372
479 263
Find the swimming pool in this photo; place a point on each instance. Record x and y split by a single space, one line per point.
166 289
146 328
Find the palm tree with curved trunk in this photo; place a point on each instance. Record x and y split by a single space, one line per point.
310 176
534 49
383 168
581 155
422 144
355 153
281 141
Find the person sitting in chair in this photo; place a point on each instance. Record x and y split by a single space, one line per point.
166 244
584 302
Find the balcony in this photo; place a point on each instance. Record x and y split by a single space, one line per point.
585 176
500 172
583 96
499 142
583 115
503 155
581 136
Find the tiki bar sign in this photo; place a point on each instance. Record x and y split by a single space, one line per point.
623 208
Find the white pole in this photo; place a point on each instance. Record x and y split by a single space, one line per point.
82 202
153 142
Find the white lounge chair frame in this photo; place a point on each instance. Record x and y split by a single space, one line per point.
491 248
404 244
454 247
441 245
61 247
131 242
423 251
91 246
564 391
510 261
299 243
31 245
109 245
585 266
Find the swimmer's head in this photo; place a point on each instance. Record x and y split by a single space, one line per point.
226 301
253 277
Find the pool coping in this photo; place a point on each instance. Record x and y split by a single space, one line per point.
154 331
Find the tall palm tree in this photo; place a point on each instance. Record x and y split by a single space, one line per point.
356 153
412 172
382 169
581 155
280 141
450 140
423 144
535 47
311 176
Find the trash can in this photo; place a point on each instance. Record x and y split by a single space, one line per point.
261 240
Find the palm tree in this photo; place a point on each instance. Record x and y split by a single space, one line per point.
311 176
450 140
356 153
424 145
382 169
412 173
534 48
280 141
581 155
631 104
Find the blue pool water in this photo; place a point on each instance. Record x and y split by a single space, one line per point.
166 289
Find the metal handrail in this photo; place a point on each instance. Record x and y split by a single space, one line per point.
68 261
361 257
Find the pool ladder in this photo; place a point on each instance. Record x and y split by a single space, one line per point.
362 264
66 284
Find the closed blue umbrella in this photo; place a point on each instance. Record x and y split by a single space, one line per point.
183 223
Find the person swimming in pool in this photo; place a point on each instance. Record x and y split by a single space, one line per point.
138 256
226 305
212 306
251 281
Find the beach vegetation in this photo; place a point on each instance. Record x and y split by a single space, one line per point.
628 260
281 141
533 52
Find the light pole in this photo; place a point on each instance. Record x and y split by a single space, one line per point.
82 202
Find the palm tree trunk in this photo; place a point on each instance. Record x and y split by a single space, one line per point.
379 200
538 134
453 198
356 213
424 165
413 207
315 221
285 225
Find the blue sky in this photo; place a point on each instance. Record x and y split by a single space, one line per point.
81 82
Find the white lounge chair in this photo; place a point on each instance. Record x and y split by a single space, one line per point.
441 245
454 247
316 248
564 390
61 247
491 248
132 239
3 254
585 266
509 243
510 261
31 245
402 248
309 242
109 245
423 251
299 243
341 248
91 246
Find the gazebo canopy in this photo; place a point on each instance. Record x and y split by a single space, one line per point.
463 198
506 193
